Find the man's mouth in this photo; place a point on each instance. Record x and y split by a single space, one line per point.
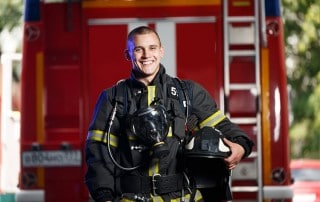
147 62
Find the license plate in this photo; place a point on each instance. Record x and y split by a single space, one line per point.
51 158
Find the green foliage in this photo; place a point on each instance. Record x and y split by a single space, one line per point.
302 34
10 14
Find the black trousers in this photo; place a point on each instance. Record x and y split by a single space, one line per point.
213 194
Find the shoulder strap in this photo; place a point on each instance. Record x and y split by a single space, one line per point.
191 119
181 84
120 95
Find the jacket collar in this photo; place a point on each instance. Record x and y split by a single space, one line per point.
159 78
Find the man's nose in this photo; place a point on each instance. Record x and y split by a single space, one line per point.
146 53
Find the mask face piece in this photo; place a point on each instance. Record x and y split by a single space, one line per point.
151 126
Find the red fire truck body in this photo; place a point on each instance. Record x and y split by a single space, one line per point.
74 49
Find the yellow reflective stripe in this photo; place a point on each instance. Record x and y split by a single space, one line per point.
132 137
169 132
126 200
154 167
100 136
151 94
213 120
198 198
157 199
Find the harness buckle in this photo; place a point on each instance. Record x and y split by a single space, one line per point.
154 186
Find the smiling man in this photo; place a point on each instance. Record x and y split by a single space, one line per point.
144 49
143 129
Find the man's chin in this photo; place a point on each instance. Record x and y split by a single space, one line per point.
139 74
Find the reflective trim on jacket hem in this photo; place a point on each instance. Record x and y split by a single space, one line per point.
198 198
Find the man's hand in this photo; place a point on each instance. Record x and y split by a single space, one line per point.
237 152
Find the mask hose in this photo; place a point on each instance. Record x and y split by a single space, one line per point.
113 114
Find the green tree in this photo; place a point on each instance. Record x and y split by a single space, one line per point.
302 34
10 14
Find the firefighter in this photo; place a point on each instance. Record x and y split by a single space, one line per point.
139 139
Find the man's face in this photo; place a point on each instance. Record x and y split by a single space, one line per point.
145 53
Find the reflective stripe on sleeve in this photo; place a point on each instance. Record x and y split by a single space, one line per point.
213 120
101 136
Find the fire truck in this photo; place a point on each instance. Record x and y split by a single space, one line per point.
73 49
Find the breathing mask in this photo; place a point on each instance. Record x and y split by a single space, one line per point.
151 126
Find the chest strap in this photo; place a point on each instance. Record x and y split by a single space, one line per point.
156 184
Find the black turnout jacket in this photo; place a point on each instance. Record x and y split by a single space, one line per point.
103 177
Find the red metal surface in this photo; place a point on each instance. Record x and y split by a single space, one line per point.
81 59
278 102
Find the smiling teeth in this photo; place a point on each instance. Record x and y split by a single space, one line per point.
147 63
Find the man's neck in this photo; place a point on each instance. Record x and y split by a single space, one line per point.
146 80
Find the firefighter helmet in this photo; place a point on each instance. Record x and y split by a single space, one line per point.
207 143
204 153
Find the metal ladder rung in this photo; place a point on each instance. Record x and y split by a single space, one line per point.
241 19
231 30
245 189
242 53
244 120
241 86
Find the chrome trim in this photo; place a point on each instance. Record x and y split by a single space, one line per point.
269 192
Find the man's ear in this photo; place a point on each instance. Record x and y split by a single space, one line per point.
161 51
127 55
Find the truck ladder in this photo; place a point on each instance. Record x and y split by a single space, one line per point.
246 34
